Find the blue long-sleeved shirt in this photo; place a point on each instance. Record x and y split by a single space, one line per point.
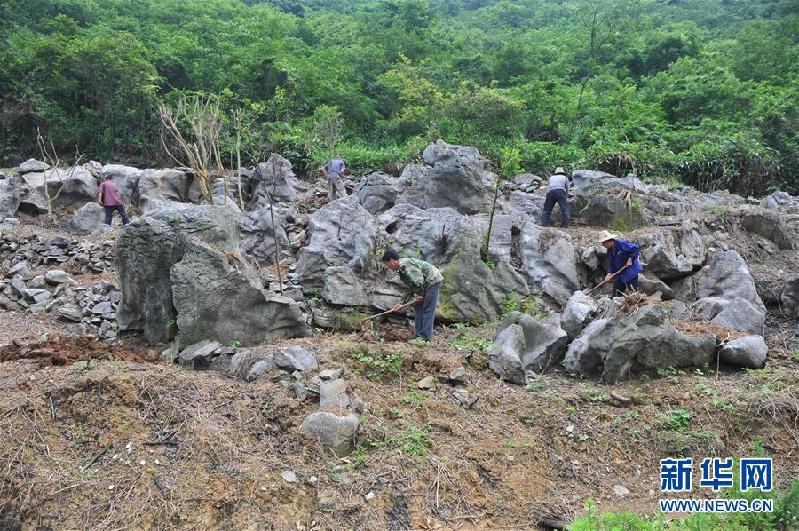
618 256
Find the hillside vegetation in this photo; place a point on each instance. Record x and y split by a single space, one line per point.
699 90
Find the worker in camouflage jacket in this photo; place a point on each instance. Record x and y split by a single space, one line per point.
423 281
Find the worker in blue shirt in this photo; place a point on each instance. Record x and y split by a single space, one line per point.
623 264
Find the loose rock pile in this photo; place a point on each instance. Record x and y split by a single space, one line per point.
55 292
79 256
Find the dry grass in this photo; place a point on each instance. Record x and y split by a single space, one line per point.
221 444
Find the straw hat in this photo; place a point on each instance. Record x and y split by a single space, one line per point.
560 171
605 236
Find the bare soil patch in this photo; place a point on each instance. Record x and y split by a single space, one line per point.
66 350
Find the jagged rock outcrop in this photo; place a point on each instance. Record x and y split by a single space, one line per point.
579 310
613 346
551 260
772 226
260 232
32 166
789 298
68 187
727 295
453 176
273 178
217 225
146 250
782 201
472 290
173 283
525 345
425 233
221 299
9 195
378 192
341 233
674 252
157 186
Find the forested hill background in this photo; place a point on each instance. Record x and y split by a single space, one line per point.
706 91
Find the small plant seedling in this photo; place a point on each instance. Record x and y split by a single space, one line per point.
417 443
412 398
234 343
679 419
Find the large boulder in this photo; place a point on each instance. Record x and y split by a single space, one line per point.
772 226
126 179
506 352
260 234
647 339
89 217
672 253
453 176
341 233
579 310
145 252
734 314
66 188
427 234
782 201
727 295
726 275
156 186
378 192
473 289
551 260
747 351
273 179
32 166
9 195
605 200
218 298
525 345
217 225
173 283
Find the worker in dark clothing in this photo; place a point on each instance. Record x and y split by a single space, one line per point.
623 264
423 281
558 193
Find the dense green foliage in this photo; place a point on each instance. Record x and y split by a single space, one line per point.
704 90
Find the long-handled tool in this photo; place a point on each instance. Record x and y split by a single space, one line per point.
391 310
614 275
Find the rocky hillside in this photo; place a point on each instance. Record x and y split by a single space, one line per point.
533 387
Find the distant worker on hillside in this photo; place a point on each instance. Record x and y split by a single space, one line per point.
558 193
108 198
623 264
423 281
333 170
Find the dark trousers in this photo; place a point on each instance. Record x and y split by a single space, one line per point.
620 287
109 214
560 197
424 313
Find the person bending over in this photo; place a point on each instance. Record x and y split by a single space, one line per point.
423 281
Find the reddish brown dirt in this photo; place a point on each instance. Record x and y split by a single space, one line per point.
66 350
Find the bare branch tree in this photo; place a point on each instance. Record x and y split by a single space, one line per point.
51 158
202 119
238 124
328 129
